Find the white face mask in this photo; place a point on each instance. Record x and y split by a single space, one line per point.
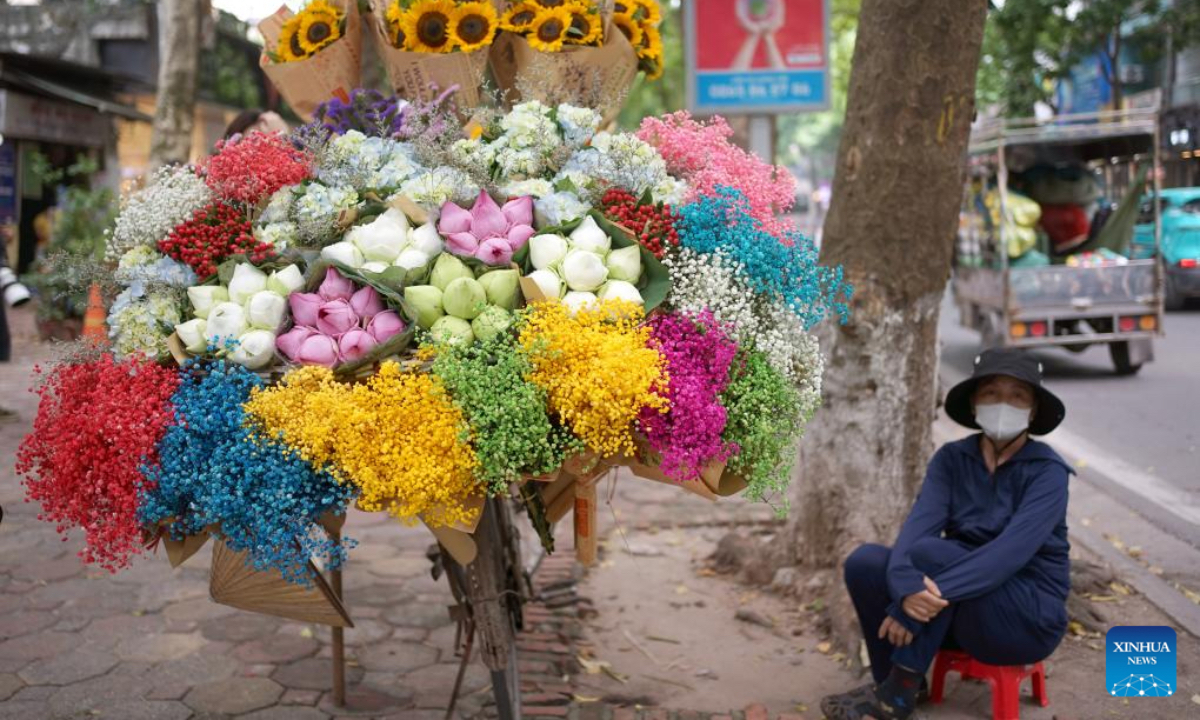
1002 422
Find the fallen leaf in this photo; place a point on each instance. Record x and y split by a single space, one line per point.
306 632
824 647
801 707
1081 463
592 667
585 698
1086 522
706 572
682 590
1120 588
1155 570
1076 628
1196 699
1116 542
1135 552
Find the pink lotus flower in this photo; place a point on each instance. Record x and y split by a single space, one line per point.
468 233
289 343
356 343
385 325
366 302
335 287
336 317
304 307
318 349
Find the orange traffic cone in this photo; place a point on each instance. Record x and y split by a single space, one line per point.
93 319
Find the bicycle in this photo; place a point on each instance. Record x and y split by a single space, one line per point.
490 593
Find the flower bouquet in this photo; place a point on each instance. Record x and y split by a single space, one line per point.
314 54
430 46
577 52
386 312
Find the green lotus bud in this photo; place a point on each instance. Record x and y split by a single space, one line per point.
491 322
452 330
464 298
625 264
502 287
446 269
426 300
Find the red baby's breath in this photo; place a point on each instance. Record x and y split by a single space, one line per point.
250 168
97 424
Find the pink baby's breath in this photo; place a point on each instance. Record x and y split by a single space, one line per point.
701 154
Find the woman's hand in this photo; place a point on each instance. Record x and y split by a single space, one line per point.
894 632
925 605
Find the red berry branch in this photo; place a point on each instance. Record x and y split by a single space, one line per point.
215 232
652 225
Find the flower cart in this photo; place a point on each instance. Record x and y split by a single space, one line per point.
389 311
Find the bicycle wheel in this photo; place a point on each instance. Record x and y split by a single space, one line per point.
491 591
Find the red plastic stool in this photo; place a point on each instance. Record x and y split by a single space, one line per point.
1004 679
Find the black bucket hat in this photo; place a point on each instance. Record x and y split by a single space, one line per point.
1015 364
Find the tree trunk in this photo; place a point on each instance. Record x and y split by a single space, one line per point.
178 58
896 197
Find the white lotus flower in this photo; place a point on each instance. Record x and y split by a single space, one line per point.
255 349
246 281
411 259
589 236
383 238
226 320
619 289
546 250
426 239
265 310
344 252
205 297
578 300
583 270
285 281
375 267
548 282
191 334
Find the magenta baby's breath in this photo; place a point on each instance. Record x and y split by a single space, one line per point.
698 352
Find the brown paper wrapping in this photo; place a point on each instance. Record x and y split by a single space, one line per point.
585 522
178 551
423 76
332 72
596 77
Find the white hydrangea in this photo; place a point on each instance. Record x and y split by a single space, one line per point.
520 164
171 196
316 211
366 163
434 188
281 235
558 209
140 323
473 155
615 159
279 207
529 126
534 187
578 124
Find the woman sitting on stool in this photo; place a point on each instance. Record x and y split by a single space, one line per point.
982 560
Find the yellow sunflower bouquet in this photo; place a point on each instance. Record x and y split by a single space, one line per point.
313 55
638 21
430 46
584 52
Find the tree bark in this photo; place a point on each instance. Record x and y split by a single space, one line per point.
896 197
178 59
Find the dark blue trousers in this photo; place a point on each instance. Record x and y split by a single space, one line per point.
1004 627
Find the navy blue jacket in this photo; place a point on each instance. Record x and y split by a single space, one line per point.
1014 523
